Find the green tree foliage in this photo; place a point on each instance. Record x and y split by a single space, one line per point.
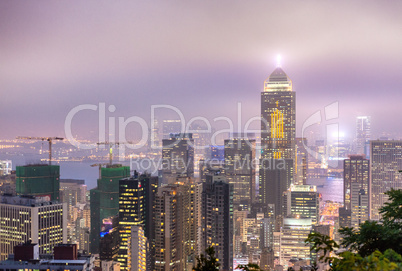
378 245
207 262
383 235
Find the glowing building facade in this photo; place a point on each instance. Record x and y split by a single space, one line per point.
385 163
26 218
278 125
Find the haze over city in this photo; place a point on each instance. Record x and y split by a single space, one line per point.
202 58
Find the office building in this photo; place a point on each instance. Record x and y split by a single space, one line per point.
39 180
356 177
178 156
105 200
217 219
294 232
303 201
26 218
240 170
385 163
278 125
363 135
131 213
301 162
208 167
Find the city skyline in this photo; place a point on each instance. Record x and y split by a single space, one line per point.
60 56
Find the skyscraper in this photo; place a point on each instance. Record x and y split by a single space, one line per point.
278 125
385 162
217 219
26 218
169 222
178 156
105 199
240 170
136 208
278 113
131 213
137 250
363 135
301 162
39 180
356 176
303 201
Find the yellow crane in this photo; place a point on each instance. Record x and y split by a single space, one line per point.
48 139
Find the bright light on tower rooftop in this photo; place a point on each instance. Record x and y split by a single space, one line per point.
278 60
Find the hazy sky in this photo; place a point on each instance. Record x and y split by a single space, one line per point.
202 57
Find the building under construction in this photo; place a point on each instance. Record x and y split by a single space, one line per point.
105 199
38 180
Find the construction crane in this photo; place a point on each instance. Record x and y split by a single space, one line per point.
100 168
111 144
49 139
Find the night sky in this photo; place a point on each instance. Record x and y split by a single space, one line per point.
202 57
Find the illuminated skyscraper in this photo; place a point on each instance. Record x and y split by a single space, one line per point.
136 207
303 201
278 113
240 170
356 176
385 163
26 218
363 135
131 213
278 125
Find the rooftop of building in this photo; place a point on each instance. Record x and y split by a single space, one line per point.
26 200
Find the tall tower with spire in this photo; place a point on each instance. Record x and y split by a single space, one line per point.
278 132
278 113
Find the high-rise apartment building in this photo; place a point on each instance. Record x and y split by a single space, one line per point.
39 180
105 200
278 126
363 135
26 218
385 163
356 177
169 222
137 250
240 170
178 156
217 219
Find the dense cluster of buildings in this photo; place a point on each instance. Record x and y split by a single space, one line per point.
249 199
